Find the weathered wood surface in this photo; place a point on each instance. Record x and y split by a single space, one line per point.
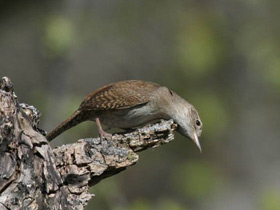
35 176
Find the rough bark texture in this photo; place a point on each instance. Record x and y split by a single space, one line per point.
35 176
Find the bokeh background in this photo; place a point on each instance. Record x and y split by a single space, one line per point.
222 56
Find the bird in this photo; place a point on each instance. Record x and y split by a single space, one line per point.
132 103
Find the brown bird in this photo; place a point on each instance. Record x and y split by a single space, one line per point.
132 103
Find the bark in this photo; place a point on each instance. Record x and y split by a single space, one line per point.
35 176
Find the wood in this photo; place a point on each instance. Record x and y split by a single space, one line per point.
35 176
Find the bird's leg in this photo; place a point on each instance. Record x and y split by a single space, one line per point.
102 133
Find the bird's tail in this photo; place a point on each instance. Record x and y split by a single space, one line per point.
75 119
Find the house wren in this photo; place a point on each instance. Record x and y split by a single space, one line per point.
132 103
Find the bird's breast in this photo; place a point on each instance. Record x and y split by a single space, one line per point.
130 117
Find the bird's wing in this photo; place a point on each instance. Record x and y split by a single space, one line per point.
119 95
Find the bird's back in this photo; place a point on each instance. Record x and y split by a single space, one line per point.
119 95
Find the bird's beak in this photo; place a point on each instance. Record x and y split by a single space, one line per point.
196 141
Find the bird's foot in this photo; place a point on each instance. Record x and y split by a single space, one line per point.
102 133
105 135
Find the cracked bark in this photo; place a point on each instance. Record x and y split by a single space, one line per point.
35 176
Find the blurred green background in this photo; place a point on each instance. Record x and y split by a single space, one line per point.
222 56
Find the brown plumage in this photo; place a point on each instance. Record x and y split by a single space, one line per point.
131 103
120 95
115 96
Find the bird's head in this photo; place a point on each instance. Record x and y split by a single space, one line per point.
183 113
188 120
191 126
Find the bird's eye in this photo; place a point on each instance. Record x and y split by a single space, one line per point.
197 122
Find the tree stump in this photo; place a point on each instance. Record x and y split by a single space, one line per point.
35 176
